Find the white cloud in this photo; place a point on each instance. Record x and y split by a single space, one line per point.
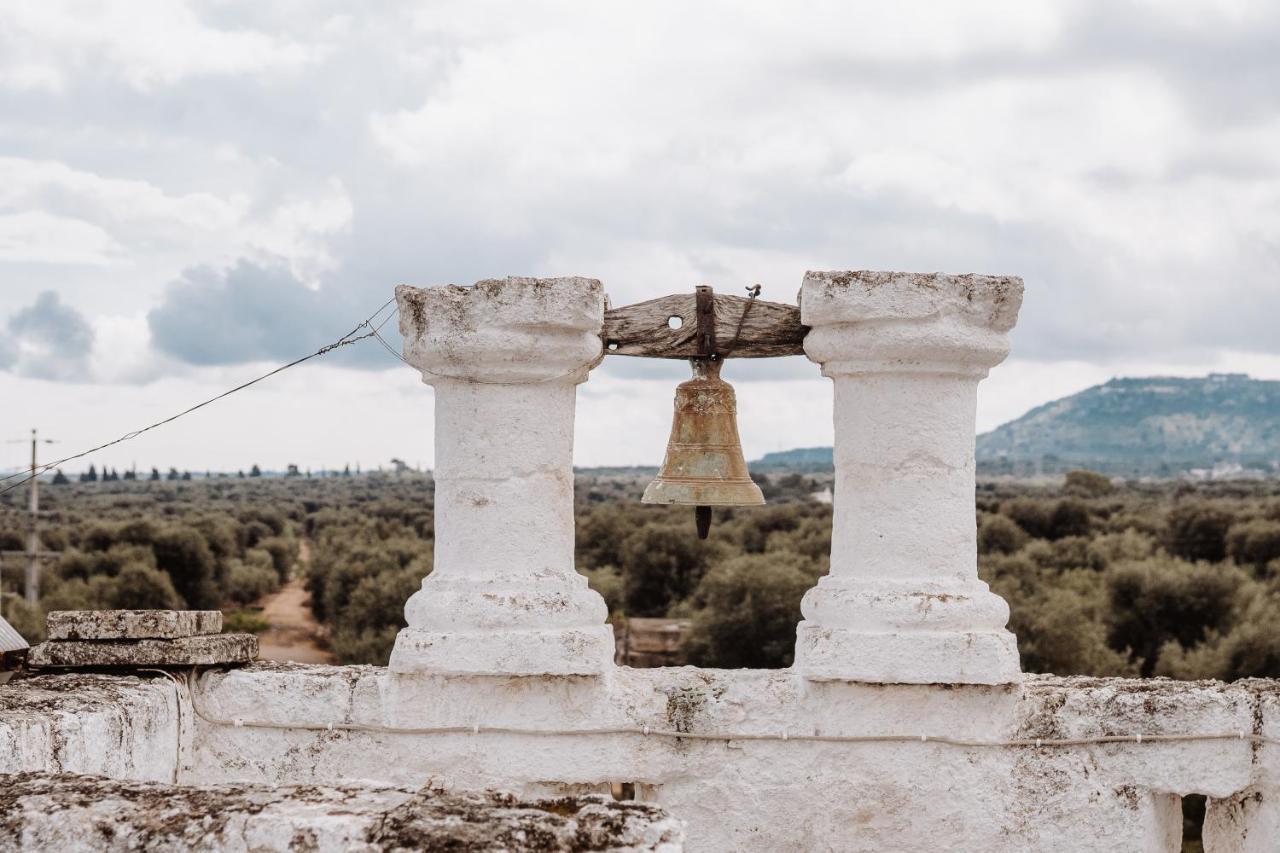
43 238
1124 157
147 43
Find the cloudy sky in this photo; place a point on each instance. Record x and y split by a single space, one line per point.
191 192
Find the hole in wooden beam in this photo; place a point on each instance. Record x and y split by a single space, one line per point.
613 345
675 321
623 790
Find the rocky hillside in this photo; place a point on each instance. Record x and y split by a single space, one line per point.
1155 426
1223 424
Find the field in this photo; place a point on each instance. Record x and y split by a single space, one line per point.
1151 579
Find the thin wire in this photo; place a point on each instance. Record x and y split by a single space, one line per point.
349 338
754 290
647 731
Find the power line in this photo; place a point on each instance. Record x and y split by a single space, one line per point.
349 338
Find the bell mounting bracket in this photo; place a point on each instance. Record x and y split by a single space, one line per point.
684 326
705 307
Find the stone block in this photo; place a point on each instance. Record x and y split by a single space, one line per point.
181 651
69 812
132 624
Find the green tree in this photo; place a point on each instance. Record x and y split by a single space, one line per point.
1162 598
1089 484
745 611
141 587
999 535
1196 530
1254 543
185 556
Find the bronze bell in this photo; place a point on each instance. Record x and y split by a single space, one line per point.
704 466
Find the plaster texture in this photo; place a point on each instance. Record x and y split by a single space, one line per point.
131 624
182 651
503 598
41 812
122 727
779 794
902 602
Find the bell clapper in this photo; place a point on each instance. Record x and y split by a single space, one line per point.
702 517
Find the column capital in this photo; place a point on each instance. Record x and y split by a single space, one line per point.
865 321
510 331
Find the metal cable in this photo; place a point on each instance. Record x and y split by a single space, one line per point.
349 338
753 291
647 731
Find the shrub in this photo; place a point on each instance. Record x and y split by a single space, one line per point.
1060 631
745 611
1161 599
1070 517
244 622
141 587
1197 531
608 581
283 553
1128 545
999 535
1090 484
249 581
1031 514
185 556
661 565
1254 543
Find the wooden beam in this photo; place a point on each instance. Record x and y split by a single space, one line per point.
770 328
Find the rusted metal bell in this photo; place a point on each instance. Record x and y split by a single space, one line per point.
704 466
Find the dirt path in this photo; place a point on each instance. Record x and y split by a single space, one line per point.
293 631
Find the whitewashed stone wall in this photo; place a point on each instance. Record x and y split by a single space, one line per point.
775 794
113 726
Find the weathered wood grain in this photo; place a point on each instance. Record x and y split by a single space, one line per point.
771 328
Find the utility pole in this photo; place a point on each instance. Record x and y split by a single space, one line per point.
33 554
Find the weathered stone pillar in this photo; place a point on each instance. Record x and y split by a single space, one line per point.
903 602
505 358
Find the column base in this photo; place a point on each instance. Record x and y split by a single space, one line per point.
561 651
906 657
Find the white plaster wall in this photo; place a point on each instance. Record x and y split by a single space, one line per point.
121 727
736 795
774 795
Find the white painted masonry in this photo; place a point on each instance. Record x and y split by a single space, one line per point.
505 358
903 602
504 678
330 725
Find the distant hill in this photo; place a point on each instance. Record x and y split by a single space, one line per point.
1156 426
802 459
1223 424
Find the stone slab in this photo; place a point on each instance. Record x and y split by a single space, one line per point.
47 811
182 651
132 624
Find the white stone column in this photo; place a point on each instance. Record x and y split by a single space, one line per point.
505 358
903 602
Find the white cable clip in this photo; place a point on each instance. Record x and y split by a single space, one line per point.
924 738
1139 739
1037 743
784 734
475 728
1242 734
238 723
329 726
646 731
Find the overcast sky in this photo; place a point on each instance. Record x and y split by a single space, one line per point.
190 192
